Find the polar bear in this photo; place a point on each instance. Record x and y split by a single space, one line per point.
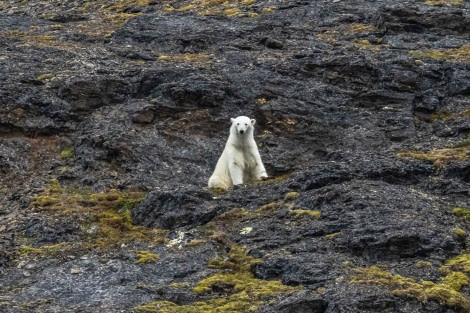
240 162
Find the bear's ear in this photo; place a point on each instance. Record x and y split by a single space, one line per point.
253 121
232 120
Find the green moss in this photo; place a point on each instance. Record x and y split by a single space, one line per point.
268 10
440 157
421 264
37 303
291 196
230 8
47 250
146 257
457 54
464 144
234 214
54 188
119 19
456 280
360 28
233 289
300 212
267 209
187 57
442 115
462 213
105 217
365 44
459 232
346 31
180 285
26 36
46 201
122 5
333 236
443 2
235 261
45 76
67 153
445 293
460 263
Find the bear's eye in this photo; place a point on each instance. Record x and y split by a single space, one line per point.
238 124
246 124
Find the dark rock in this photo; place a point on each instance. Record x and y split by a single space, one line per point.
49 232
67 18
303 302
89 95
144 94
175 208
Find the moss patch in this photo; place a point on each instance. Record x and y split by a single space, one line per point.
43 77
459 263
233 289
123 5
187 57
443 2
311 213
462 213
47 250
457 54
105 217
332 236
146 257
366 44
229 8
345 32
459 232
360 28
422 264
447 293
291 196
440 157
67 153
26 36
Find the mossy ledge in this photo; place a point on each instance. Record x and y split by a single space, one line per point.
105 218
440 157
447 293
233 289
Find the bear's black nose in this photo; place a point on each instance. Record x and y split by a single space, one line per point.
241 132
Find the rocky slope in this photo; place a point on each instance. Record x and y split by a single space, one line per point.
113 115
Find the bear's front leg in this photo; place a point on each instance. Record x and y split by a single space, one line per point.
236 173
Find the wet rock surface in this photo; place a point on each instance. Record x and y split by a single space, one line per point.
362 112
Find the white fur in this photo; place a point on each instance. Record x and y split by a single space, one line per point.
240 162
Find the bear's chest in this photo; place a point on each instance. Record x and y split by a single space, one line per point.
244 158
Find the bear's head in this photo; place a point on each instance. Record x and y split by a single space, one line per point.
242 125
